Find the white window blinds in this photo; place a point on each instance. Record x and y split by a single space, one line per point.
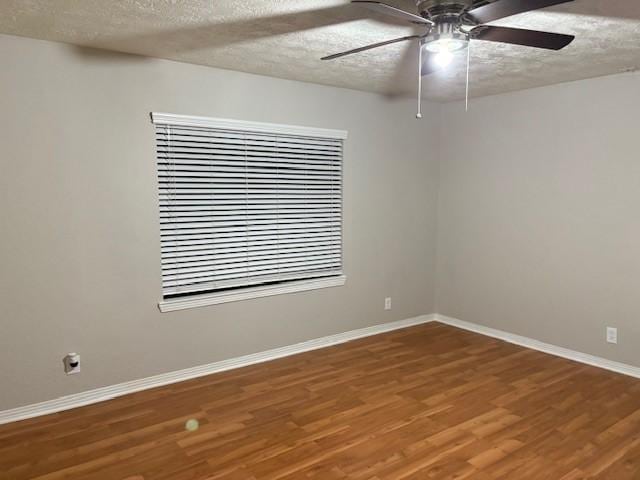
245 204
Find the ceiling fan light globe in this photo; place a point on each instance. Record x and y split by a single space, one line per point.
443 58
445 45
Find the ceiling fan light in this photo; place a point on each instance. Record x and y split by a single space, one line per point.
442 48
443 58
445 45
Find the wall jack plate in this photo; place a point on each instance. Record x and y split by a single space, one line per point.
72 363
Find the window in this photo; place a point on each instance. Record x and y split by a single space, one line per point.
246 209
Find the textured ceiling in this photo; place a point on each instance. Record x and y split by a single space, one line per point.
286 38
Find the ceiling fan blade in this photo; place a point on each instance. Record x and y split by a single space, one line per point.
369 47
393 11
506 8
518 36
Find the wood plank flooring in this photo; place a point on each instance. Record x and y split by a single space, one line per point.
430 402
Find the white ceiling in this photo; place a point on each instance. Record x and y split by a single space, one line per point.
286 38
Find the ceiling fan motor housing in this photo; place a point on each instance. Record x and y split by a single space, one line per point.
447 18
440 9
447 31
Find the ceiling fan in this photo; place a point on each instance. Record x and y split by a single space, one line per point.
451 24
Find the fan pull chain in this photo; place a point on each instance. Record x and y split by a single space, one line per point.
419 114
466 97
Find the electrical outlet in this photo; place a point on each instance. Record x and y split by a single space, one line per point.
612 335
387 303
72 363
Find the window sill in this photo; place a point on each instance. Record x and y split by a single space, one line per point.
250 292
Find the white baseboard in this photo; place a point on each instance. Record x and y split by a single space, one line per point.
113 391
600 362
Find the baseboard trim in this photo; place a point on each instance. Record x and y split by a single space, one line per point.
107 393
533 344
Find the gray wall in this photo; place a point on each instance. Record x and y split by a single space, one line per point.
538 224
79 248
539 214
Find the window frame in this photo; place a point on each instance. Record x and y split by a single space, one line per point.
253 291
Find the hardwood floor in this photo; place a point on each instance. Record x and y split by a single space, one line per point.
428 402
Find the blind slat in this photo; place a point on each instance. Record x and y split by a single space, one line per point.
198 287
227 273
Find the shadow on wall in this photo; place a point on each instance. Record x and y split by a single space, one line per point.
98 55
